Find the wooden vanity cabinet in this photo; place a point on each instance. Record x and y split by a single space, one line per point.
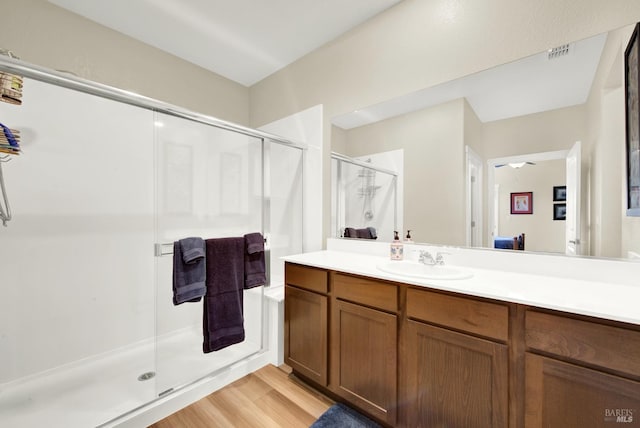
418 357
306 320
581 373
455 365
363 344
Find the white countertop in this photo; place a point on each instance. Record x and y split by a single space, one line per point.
612 301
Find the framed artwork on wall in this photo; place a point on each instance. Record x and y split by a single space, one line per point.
559 193
632 110
559 211
522 203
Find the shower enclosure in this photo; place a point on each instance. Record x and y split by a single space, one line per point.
105 183
364 195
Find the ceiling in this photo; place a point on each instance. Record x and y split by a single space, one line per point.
242 40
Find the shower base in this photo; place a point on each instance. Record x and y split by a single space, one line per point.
96 390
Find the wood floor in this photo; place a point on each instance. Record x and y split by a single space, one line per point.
265 398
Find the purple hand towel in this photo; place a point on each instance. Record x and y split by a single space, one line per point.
188 270
223 322
192 249
350 232
365 233
254 263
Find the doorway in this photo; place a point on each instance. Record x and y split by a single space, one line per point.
572 161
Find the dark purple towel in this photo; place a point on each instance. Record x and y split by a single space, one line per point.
350 232
188 270
223 322
254 263
365 233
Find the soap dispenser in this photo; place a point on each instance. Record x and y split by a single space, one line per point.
396 247
408 239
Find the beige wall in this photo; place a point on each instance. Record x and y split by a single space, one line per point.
543 132
434 140
535 133
414 45
44 34
473 131
418 44
474 138
542 232
433 145
339 140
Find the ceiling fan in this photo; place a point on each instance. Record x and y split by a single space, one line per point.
515 164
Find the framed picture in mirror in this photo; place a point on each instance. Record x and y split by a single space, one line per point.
559 211
559 193
522 203
632 110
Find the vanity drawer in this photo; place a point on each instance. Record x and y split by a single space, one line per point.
309 278
460 313
365 291
601 345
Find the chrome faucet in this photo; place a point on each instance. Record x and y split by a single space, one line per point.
440 258
427 259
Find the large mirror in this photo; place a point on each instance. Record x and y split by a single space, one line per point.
549 128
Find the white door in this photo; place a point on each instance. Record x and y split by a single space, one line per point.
572 235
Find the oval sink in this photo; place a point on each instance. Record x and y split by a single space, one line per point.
419 270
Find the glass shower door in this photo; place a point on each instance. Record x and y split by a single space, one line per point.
210 185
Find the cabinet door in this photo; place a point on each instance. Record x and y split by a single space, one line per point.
364 358
305 333
560 394
453 379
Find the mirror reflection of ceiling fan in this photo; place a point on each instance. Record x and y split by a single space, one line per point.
515 164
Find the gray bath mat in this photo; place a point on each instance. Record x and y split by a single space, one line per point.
341 416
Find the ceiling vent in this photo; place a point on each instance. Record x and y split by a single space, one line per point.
561 50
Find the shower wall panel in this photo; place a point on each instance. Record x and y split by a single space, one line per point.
284 193
76 273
